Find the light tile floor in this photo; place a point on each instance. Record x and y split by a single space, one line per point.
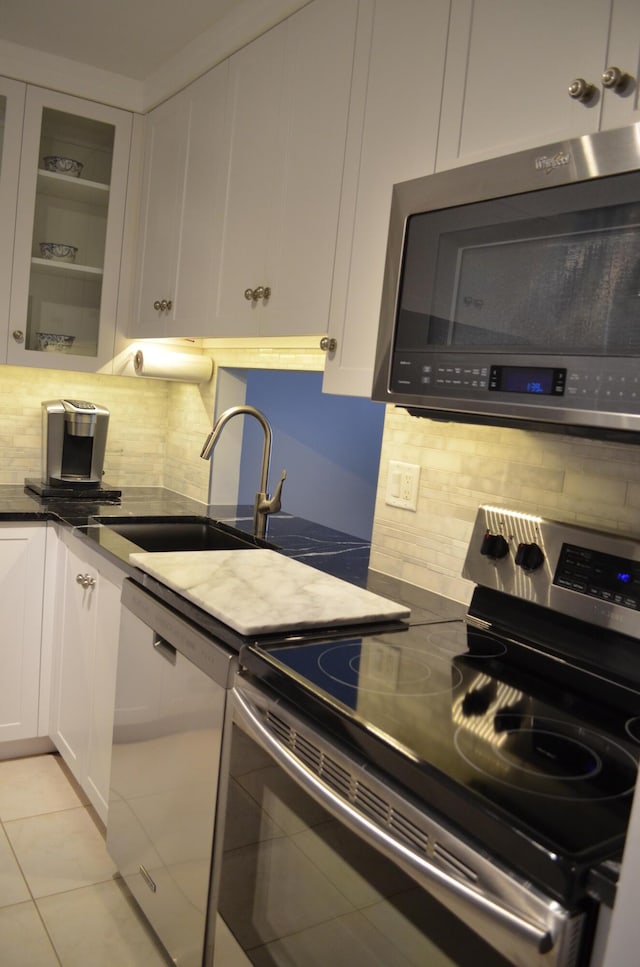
61 901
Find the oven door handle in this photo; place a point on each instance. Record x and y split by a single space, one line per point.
527 936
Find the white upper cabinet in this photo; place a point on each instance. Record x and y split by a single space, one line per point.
392 137
620 101
64 298
510 66
12 95
179 240
289 95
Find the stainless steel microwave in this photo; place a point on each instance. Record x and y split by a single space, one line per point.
512 290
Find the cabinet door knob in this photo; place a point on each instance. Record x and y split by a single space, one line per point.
18 335
85 580
580 90
615 80
162 305
328 344
253 295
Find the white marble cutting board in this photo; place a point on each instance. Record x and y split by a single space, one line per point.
258 591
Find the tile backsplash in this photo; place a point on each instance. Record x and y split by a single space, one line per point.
137 424
156 427
591 482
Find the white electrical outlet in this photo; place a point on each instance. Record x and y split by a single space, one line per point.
402 485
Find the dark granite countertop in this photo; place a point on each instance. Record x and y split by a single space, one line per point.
341 555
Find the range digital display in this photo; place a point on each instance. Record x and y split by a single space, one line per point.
531 380
613 579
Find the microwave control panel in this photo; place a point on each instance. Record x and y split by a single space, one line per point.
588 383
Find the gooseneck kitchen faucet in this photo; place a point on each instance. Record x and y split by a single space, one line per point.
263 505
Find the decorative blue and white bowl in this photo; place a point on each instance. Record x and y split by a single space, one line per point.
58 252
63 166
54 342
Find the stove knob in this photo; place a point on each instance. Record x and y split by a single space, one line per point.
494 545
529 556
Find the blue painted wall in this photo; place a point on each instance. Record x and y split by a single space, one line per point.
329 446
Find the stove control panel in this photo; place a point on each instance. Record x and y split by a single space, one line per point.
603 576
587 574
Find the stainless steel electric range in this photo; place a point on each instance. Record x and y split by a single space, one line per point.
490 761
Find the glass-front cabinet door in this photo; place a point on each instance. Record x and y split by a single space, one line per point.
12 94
71 206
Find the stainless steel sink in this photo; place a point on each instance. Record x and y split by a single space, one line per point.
179 533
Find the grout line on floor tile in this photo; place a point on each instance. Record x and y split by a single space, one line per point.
44 926
55 812
18 864
46 930
32 899
116 878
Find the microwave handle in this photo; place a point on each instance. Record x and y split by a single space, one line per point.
459 897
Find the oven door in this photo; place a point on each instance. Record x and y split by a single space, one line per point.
317 861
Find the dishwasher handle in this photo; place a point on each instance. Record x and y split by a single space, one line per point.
162 647
462 899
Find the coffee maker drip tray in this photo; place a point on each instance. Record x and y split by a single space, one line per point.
100 492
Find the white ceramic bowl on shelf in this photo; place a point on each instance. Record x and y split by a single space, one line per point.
54 342
58 251
63 166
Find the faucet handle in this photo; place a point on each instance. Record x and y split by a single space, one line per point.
264 506
273 505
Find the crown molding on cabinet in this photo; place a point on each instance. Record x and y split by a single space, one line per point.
248 20
69 77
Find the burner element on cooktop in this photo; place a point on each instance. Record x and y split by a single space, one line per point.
632 728
546 757
382 667
453 639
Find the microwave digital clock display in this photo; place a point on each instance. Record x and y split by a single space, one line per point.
532 380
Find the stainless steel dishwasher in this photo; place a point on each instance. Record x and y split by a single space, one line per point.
171 691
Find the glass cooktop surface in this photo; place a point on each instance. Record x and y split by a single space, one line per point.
520 762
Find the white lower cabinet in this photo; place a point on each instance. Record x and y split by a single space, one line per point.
22 559
84 666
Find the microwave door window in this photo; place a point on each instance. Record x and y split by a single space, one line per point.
490 276
564 293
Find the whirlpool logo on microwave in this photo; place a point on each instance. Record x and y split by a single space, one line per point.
547 164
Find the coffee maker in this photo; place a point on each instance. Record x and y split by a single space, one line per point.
74 440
